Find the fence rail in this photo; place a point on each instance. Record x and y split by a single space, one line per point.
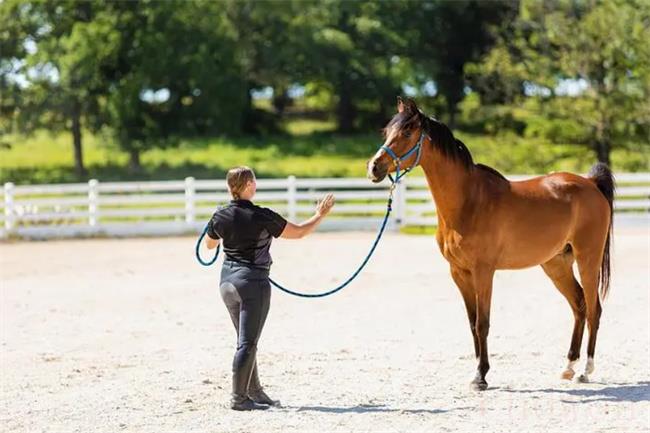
176 207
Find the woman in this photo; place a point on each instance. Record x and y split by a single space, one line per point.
246 231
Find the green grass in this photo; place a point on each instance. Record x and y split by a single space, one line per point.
418 230
309 149
309 126
48 158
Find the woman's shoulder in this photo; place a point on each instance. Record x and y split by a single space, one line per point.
265 211
222 209
262 212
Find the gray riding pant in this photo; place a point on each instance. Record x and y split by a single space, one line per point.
246 291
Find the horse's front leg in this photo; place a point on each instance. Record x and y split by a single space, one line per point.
463 279
482 278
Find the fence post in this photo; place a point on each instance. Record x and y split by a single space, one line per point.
190 195
9 206
291 197
93 201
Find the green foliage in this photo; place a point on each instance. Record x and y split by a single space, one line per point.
184 50
145 75
95 60
42 157
16 24
356 46
450 34
602 46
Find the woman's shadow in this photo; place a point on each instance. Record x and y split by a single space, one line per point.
619 392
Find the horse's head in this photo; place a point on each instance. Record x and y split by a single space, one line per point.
402 137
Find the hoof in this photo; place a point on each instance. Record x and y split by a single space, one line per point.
583 378
478 385
568 374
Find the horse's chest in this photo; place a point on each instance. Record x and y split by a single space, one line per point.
454 248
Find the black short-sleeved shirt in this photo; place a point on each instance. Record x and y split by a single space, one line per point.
246 231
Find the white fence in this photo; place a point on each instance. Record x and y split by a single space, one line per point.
176 207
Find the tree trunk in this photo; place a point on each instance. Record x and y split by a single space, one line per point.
248 118
281 99
452 108
345 111
134 160
79 168
603 148
603 142
382 111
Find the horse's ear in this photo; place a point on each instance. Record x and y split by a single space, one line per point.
411 106
400 104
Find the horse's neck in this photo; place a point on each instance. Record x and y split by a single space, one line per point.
449 182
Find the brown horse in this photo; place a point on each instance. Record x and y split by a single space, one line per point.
486 222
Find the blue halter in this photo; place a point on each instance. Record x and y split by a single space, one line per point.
389 207
397 160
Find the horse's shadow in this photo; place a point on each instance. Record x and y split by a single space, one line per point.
368 408
620 392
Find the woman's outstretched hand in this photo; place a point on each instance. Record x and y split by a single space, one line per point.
325 205
297 231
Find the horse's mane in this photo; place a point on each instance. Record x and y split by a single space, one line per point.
491 170
441 137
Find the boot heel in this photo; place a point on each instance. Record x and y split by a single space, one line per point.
260 397
246 404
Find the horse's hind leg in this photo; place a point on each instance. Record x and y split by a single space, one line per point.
589 267
560 270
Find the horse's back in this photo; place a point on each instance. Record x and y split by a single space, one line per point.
562 186
539 216
562 194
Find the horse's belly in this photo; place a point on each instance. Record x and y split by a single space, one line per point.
523 263
520 252
535 230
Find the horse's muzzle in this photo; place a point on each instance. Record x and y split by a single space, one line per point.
376 171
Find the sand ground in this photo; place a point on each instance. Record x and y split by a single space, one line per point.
131 335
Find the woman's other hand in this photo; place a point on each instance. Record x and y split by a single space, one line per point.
325 205
297 231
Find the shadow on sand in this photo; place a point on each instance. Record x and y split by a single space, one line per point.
620 392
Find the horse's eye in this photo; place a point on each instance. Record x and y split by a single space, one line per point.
407 134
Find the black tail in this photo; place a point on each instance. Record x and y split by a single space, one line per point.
604 179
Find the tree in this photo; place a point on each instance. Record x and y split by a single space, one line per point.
93 64
183 51
601 49
447 35
276 49
62 67
357 48
15 27
608 48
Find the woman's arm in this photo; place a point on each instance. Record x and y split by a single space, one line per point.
297 231
211 243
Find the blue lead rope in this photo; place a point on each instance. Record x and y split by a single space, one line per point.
389 208
397 160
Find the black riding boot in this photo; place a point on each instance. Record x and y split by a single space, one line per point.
256 392
240 379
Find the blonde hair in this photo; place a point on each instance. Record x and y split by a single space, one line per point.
237 179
